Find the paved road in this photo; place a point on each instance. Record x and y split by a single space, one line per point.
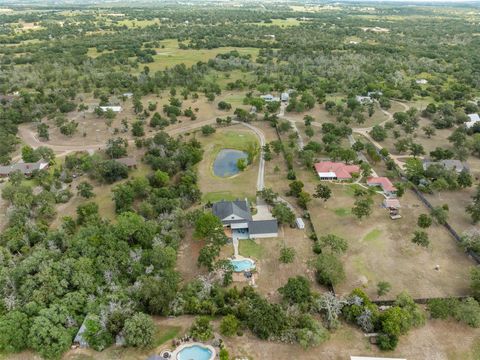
261 167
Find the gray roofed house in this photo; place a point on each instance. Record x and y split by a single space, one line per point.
263 228
448 164
232 211
24 168
237 216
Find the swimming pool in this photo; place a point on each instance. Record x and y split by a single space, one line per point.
195 352
242 265
225 163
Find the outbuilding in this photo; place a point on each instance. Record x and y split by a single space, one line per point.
300 224
115 109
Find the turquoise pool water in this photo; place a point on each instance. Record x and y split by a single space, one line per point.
242 265
194 352
225 163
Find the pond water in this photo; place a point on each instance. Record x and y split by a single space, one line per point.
225 163
195 352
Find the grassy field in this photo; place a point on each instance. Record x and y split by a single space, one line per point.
169 55
281 22
222 79
242 185
130 23
251 249
381 249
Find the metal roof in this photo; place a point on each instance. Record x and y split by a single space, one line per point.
262 227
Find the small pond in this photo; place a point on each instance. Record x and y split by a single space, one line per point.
225 163
195 352
242 265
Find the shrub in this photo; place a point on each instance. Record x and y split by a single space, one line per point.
329 269
387 342
229 325
441 308
201 329
468 312
421 238
139 331
287 255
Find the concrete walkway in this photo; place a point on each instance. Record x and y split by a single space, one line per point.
235 246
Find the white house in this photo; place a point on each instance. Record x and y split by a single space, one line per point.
363 99
115 109
421 81
270 98
474 118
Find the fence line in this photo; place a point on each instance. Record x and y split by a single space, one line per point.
427 203
330 287
419 300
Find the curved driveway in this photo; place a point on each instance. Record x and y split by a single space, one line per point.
29 137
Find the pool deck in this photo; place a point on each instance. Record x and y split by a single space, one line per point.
187 345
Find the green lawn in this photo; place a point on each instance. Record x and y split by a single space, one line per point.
281 22
250 248
350 189
223 195
169 55
342 212
165 334
372 235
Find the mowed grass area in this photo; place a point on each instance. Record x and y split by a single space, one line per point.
166 333
381 249
223 78
251 249
169 55
242 185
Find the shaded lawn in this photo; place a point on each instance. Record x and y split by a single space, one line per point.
166 333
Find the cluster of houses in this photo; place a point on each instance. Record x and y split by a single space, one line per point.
329 170
284 97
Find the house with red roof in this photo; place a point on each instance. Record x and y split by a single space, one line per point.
384 183
329 170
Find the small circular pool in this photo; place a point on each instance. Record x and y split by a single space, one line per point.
225 163
240 265
195 352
